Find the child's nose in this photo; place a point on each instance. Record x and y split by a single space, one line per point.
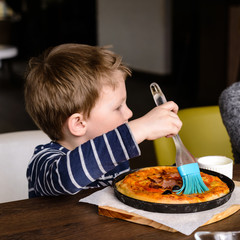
128 114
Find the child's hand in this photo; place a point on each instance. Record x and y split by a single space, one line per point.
159 122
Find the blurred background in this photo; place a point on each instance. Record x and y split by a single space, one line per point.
190 48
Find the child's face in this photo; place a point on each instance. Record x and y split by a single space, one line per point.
110 110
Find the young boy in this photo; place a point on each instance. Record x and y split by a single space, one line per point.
76 94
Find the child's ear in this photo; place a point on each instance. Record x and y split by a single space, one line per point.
76 124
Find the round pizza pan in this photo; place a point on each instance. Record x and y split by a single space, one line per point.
175 208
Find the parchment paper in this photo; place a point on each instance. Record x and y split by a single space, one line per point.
185 223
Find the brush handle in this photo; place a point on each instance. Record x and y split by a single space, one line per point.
183 156
159 99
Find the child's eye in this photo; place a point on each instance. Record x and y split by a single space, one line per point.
119 107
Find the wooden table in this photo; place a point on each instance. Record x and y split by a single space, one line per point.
65 218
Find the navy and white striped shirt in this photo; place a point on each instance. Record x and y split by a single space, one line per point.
54 170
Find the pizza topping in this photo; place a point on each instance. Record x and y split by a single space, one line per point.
175 188
167 192
175 175
165 184
153 185
169 183
155 180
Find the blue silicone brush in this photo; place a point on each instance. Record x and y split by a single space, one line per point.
186 164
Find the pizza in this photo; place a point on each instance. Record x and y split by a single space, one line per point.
158 185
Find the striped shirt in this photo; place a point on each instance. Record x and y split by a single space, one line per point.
55 170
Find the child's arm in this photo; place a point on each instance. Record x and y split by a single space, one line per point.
54 172
161 121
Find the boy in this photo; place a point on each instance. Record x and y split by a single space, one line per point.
76 94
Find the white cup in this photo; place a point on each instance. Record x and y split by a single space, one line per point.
221 164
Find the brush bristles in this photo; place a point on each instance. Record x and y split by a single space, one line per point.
192 184
192 180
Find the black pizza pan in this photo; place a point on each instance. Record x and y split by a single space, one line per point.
175 208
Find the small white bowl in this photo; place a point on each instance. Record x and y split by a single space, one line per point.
221 164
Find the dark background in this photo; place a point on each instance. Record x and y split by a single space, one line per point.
200 33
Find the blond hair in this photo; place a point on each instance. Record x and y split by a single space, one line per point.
67 79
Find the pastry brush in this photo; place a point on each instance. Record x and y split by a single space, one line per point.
186 164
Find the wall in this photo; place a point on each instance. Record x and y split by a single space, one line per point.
139 30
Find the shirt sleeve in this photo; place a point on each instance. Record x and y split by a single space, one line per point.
229 104
52 172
